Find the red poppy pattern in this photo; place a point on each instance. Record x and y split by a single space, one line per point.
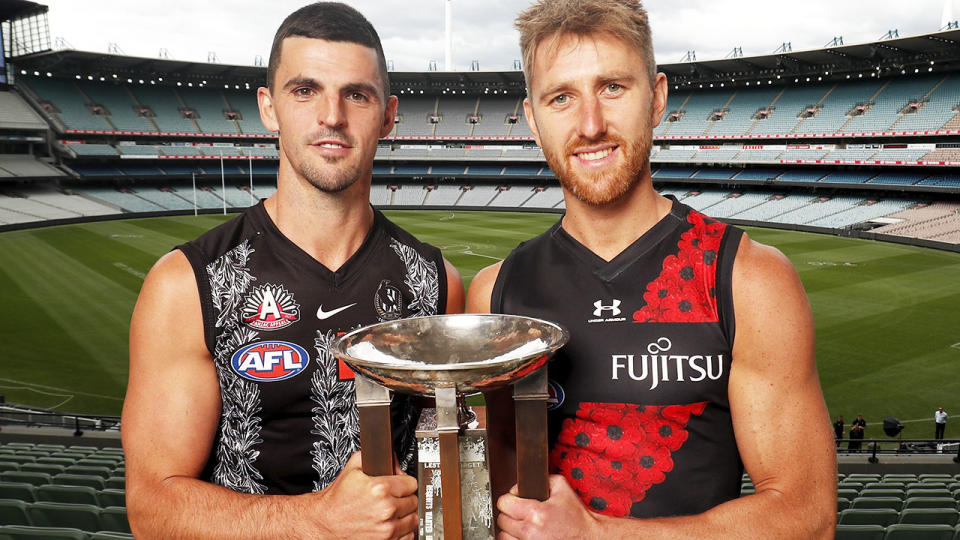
612 453
685 289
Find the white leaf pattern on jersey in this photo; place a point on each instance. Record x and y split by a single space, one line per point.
229 280
239 423
421 279
336 421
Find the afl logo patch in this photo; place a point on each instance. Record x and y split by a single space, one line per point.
556 393
388 301
269 361
270 307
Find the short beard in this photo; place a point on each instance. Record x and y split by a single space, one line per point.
330 181
607 187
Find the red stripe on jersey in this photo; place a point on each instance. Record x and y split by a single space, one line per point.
685 290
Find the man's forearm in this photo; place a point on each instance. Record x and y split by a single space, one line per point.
182 507
766 514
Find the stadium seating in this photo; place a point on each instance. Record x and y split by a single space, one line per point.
210 106
872 516
903 531
23 532
860 532
119 107
14 512
51 514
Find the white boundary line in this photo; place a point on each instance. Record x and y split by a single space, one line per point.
72 392
955 345
467 250
58 405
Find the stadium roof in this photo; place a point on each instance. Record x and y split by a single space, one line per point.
16 9
937 52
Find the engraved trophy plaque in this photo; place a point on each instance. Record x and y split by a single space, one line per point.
462 465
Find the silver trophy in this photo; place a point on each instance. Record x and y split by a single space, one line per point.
463 466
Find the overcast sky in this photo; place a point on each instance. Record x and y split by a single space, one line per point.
412 30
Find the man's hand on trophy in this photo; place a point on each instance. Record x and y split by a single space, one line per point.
359 506
560 516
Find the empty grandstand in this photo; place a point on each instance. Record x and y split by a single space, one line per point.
861 148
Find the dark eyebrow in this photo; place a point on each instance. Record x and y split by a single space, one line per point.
363 88
302 81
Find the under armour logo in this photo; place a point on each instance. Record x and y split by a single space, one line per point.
614 308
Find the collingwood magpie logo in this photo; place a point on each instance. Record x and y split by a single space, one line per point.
388 302
270 307
659 367
606 312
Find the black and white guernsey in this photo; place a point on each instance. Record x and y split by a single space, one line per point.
288 419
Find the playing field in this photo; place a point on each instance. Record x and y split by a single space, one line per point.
887 316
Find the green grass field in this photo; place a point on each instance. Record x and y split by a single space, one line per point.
887 316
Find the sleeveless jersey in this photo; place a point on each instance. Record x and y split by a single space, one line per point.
289 420
639 418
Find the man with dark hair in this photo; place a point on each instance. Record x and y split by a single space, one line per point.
238 421
692 350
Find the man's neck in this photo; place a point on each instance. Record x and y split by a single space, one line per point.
330 227
610 229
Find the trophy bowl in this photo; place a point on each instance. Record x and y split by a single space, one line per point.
469 352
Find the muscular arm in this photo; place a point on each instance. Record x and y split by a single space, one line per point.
170 416
481 289
779 418
454 288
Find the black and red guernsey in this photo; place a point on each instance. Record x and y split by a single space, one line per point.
639 417
271 312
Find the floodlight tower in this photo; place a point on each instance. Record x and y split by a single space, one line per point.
448 35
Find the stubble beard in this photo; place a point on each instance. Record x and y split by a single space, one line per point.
602 188
328 174
330 179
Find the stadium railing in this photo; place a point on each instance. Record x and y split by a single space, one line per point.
18 416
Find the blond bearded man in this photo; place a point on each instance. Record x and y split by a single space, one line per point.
692 349
238 422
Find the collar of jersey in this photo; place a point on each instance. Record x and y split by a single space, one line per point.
610 270
306 261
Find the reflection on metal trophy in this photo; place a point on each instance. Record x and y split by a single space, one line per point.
448 357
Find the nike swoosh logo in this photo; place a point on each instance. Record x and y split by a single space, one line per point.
321 314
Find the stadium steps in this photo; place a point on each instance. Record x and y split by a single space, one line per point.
772 104
134 99
106 120
666 131
436 109
533 192
953 123
823 98
226 104
183 105
517 111
34 100
924 98
726 105
871 99
61 208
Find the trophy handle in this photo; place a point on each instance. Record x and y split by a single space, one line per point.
530 400
376 438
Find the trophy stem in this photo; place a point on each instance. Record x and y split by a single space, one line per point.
448 429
